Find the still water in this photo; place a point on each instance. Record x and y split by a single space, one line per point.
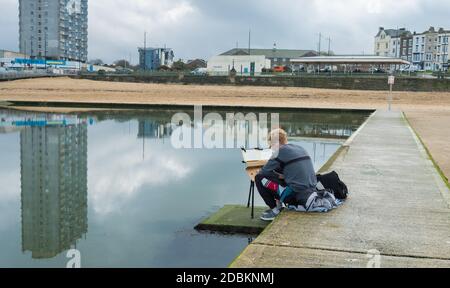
111 185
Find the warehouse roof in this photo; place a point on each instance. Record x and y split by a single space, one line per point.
272 53
357 59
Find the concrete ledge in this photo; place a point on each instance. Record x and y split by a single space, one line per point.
345 147
5 103
266 256
234 219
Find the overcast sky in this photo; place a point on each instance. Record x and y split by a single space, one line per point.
203 28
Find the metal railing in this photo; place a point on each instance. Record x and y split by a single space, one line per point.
269 74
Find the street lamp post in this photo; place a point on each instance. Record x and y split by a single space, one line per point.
45 50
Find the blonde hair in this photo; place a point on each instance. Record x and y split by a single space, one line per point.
278 136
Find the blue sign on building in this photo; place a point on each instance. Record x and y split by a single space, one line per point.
23 61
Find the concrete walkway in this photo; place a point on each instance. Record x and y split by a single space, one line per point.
399 207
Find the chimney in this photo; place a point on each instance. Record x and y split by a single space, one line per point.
381 28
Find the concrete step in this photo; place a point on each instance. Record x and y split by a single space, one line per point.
234 219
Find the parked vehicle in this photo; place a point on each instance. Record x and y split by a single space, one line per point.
124 71
200 71
376 70
327 69
409 68
279 69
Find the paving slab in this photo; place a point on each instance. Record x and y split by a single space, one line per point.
397 206
263 256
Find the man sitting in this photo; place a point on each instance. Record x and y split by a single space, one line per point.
289 170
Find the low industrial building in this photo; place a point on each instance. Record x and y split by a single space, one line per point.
277 57
11 54
360 63
195 64
241 64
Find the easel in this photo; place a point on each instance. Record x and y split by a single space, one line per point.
253 168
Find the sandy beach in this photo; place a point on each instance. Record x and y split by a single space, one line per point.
429 113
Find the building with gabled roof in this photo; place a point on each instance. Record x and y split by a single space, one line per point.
277 57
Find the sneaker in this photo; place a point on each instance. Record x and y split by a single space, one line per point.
269 215
270 210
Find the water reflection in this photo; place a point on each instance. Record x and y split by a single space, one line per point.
144 197
154 129
53 162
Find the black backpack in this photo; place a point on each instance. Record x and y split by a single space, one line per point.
332 182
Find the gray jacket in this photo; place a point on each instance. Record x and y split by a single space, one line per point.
295 164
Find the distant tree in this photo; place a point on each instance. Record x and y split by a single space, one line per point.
122 63
179 66
96 62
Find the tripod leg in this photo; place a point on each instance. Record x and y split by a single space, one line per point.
253 200
249 194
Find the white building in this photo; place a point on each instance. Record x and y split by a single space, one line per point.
418 50
388 42
242 64
442 60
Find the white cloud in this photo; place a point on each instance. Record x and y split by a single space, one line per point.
201 28
120 172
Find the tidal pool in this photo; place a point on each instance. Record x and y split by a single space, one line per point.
111 185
